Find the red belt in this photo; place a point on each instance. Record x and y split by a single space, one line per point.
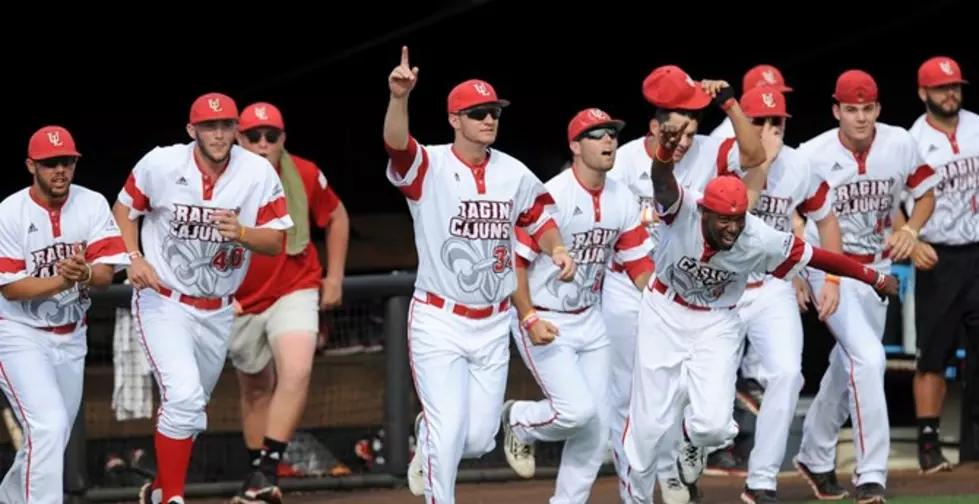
869 258
617 268
755 285
662 289
62 329
572 312
466 311
201 303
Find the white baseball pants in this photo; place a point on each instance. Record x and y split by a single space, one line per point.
853 382
683 357
573 373
42 375
774 329
459 366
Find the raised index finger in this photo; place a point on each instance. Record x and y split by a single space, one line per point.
404 55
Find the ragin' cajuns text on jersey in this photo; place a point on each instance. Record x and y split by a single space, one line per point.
689 269
866 187
596 225
177 201
464 216
35 237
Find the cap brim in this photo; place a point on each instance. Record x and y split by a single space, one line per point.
698 101
60 154
784 89
946 82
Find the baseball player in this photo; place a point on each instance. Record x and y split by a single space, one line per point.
868 164
599 219
57 240
759 76
465 199
690 340
677 99
206 206
768 307
947 257
278 304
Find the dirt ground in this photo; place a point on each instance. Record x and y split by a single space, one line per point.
964 480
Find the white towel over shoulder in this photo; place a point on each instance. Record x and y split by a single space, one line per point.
132 394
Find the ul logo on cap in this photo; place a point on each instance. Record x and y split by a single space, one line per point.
946 67
55 138
261 113
480 88
768 76
597 114
215 104
768 99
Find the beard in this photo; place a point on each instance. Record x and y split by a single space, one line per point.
938 110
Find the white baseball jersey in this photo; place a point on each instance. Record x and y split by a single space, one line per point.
792 185
177 200
867 187
34 237
955 159
702 277
723 130
706 158
464 218
595 225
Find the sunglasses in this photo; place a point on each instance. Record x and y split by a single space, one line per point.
255 135
761 121
480 113
599 133
54 162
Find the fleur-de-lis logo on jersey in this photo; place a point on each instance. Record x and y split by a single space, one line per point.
768 99
54 138
215 104
769 76
598 114
480 88
262 113
946 67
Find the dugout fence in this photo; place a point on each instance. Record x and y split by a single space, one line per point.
364 396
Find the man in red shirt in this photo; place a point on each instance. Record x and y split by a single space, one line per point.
278 305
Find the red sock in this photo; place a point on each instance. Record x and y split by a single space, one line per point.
172 461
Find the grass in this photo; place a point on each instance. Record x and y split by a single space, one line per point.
947 499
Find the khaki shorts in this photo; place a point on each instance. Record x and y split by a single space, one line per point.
250 347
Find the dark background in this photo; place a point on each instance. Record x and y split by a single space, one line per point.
123 87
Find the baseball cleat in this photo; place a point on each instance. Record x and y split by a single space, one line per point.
825 486
519 455
931 460
726 463
749 395
258 488
870 493
416 472
673 491
690 462
150 495
751 496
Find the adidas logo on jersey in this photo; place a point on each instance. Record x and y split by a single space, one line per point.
932 148
577 211
32 228
181 181
644 176
836 167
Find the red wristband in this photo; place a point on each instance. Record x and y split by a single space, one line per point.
728 104
530 321
664 155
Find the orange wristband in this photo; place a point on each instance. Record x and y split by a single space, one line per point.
241 234
833 279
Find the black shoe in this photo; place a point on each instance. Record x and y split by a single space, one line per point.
750 496
870 493
259 488
825 486
726 463
931 460
749 395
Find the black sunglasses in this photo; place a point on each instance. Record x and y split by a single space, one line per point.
54 162
480 113
599 133
255 135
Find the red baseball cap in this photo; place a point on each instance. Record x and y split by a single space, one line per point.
591 118
261 114
765 76
855 86
213 107
764 102
472 93
669 87
726 195
940 71
51 141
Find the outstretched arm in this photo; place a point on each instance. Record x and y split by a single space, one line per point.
665 188
841 265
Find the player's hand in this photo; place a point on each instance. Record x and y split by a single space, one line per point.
801 294
771 141
75 269
712 87
669 135
565 263
331 294
227 224
142 275
901 243
404 76
924 256
543 333
236 308
829 300
887 285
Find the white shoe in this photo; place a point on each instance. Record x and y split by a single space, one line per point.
149 496
416 473
520 456
690 462
673 491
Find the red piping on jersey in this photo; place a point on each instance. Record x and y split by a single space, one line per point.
596 194
478 170
950 136
52 208
860 157
207 181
